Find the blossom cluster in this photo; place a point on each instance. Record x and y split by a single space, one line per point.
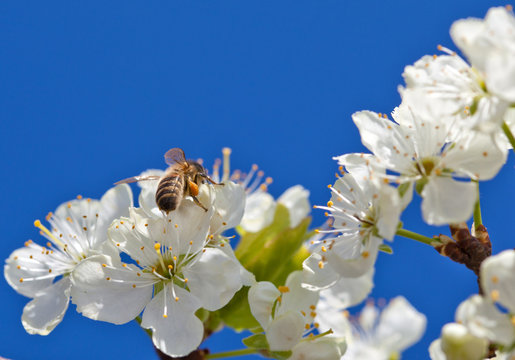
177 274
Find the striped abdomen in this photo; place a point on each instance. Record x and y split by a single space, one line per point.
170 192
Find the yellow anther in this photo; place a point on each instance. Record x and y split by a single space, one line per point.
346 313
316 325
21 280
307 326
329 186
157 246
185 280
142 248
284 289
134 286
176 226
324 249
263 187
124 265
104 265
269 180
439 47
495 295
139 274
227 151
146 224
174 258
509 7
312 307
69 205
313 314
321 264
79 197
37 224
317 231
176 298
254 167
165 316
170 267
312 242
191 242
48 216
303 313
495 279
108 278
18 267
330 203
365 254
86 229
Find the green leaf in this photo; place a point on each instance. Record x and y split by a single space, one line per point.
257 341
236 314
386 249
280 355
274 252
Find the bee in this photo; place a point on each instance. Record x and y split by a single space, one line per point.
182 177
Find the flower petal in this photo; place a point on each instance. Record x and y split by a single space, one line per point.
498 278
46 311
348 292
352 258
229 206
261 297
400 325
316 275
483 320
214 279
297 298
111 293
285 331
180 332
259 211
114 203
448 201
326 348
296 199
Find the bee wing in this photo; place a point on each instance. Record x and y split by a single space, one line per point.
175 156
137 178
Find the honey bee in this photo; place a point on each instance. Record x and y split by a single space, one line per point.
182 177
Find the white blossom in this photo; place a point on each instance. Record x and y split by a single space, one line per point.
457 343
286 315
375 335
489 45
78 231
414 149
180 266
364 211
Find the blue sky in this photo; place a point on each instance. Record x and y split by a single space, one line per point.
92 92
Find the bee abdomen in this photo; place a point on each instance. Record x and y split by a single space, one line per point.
169 193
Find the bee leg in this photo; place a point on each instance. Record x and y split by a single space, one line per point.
198 203
211 180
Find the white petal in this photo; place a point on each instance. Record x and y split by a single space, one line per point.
480 159
180 332
115 300
33 263
348 292
259 211
385 139
296 199
458 344
400 325
330 317
114 203
285 331
448 201
435 350
351 258
45 312
229 206
261 300
297 299
464 33
389 209
498 278
319 349
316 277
247 278
133 238
214 279
483 320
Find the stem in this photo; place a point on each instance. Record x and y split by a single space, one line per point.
417 237
231 353
508 134
148 331
477 209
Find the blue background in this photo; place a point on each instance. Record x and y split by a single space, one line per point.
92 92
